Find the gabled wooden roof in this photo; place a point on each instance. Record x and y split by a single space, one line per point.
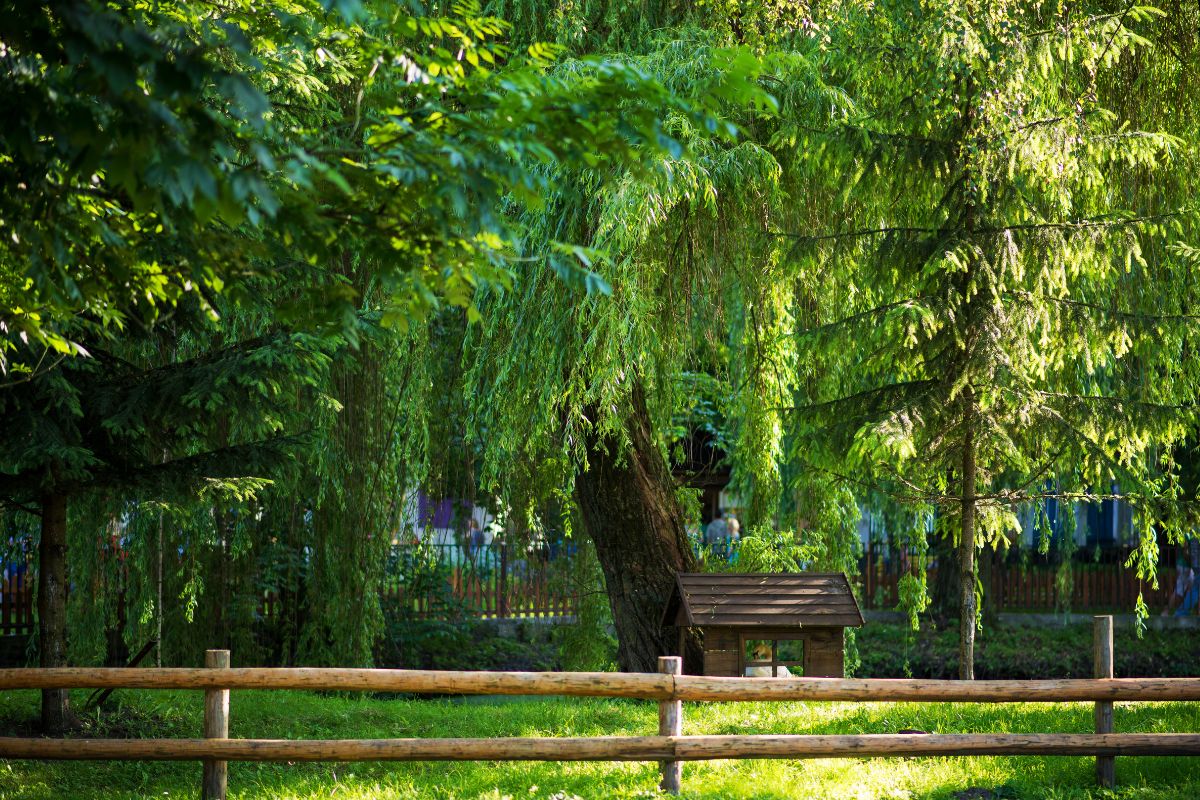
800 599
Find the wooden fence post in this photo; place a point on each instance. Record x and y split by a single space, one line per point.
216 726
670 723
1102 656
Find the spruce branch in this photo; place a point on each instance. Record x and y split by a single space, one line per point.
858 317
1106 310
926 383
1086 223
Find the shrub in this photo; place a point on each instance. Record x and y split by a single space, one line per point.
1021 652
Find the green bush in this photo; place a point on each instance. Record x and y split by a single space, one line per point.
435 644
1022 652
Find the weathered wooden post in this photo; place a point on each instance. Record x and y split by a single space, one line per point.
670 723
1102 656
216 726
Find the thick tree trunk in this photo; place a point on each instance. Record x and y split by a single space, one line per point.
966 549
52 608
627 501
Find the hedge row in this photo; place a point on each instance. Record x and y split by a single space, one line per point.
1024 652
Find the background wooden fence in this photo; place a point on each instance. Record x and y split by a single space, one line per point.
426 581
1029 584
489 581
668 687
502 581
16 600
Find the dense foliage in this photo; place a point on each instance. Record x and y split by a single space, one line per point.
1003 273
265 269
1023 652
227 210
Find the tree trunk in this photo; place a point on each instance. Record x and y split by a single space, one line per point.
989 562
966 548
158 594
350 526
943 594
52 608
627 501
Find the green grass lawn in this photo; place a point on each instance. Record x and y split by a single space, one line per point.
304 715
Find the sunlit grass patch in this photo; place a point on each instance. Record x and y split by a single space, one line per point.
305 715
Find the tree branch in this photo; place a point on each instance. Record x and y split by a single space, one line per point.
1080 224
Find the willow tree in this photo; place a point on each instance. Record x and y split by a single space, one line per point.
573 392
579 393
994 329
444 177
363 155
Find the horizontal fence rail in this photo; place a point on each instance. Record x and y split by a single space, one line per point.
624 748
689 688
668 687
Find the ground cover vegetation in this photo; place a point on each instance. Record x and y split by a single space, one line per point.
301 715
265 268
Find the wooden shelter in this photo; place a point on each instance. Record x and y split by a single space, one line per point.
799 616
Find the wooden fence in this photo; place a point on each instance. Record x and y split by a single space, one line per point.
16 601
488 581
425 581
500 581
668 687
1013 586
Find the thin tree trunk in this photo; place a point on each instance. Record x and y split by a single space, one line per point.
944 591
52 608
988 563
158 595
627 501
966 548
216 583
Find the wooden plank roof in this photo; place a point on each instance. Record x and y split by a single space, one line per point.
800 599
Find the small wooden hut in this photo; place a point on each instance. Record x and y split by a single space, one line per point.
799 616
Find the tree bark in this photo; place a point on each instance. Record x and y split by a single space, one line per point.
52 608
627 501
158 594
943 593
966 547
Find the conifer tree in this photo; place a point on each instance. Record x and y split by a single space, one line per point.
150 424
1002 281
